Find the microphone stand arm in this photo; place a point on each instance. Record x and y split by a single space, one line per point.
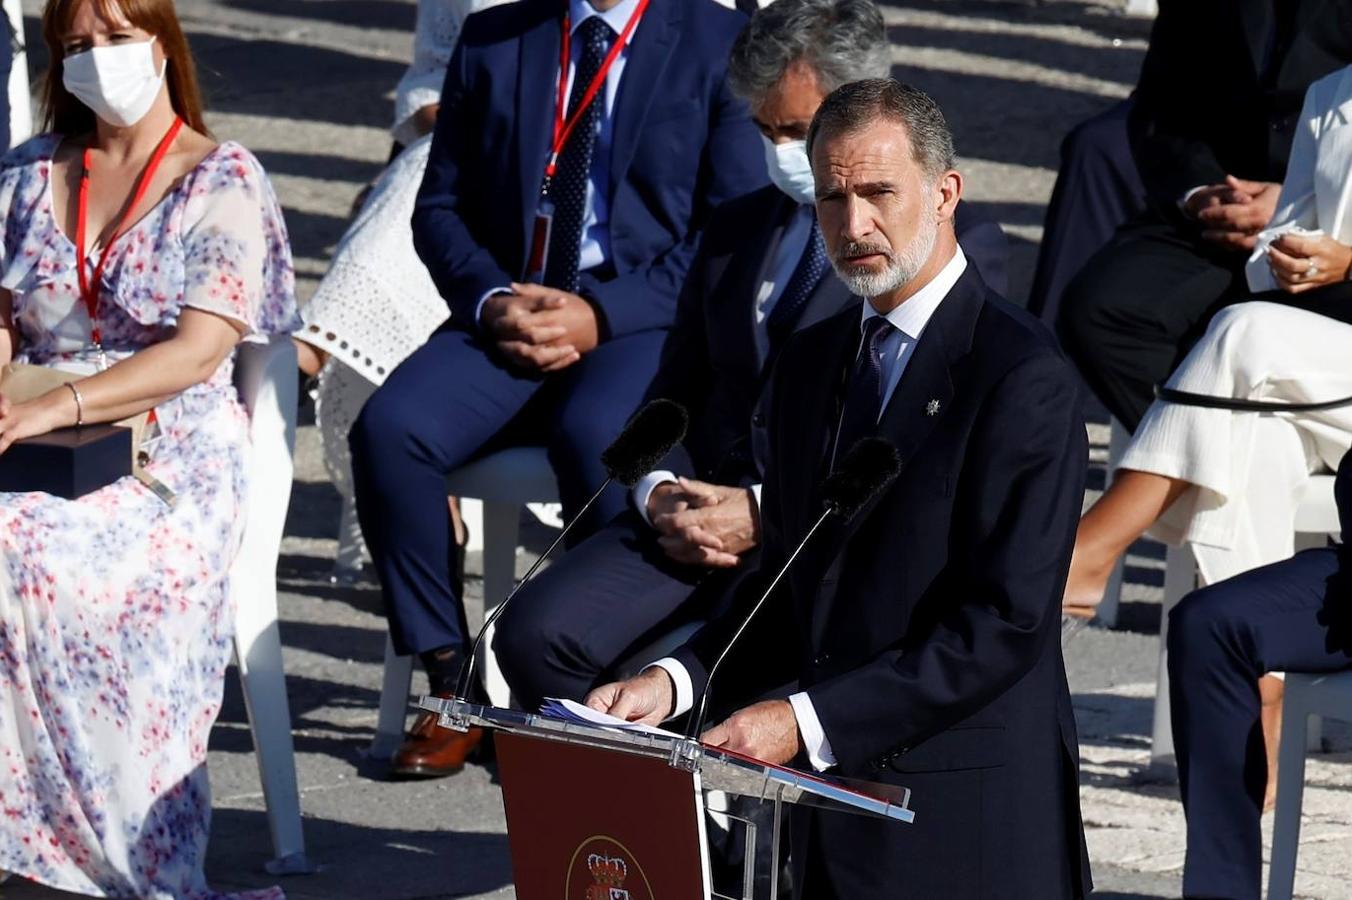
467 667
697 724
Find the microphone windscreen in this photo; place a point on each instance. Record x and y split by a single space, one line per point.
867 470
649 436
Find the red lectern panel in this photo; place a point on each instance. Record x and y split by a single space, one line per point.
586 823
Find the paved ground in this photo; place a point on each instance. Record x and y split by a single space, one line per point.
305 84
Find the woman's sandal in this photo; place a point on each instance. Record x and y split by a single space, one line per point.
1072 623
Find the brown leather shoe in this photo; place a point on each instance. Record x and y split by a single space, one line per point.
432 751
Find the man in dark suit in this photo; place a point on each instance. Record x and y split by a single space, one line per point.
923 634
1215 114
761 273
558 216
1292 616
1097 189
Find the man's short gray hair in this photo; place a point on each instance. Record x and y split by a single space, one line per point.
854 106
842 40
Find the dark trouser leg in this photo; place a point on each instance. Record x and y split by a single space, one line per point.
433 414
606 598
1098 188
1281 617
594 399
1128 317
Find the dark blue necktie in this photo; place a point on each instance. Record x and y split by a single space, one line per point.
864 392
568 188
812 265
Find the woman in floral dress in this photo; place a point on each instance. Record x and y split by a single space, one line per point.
114 620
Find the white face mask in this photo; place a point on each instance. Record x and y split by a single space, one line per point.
789 169
119 82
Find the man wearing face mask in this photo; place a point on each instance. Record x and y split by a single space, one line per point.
761 274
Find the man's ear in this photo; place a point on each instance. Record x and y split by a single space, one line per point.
947 192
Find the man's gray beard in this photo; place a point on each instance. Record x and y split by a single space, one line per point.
900 269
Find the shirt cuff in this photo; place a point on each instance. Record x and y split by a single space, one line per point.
641 491
810 727
479 307
756 495
680 679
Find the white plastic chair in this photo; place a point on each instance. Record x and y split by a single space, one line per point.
1316 522
1305 698
505 482
265 376
20 99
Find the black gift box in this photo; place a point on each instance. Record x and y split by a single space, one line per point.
69 463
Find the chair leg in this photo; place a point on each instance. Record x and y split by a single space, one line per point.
394 689
1290 786
258 654
1118 438
350 544
1180 577
502 526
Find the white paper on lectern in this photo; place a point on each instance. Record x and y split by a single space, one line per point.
571 710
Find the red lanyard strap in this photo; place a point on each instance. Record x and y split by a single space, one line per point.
564 128
89 292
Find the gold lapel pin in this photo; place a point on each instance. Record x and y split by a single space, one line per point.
932 408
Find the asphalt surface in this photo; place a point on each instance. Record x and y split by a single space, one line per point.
307 85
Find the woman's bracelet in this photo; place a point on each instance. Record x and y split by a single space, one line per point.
79 403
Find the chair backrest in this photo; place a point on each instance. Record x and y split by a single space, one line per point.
17 90
267 381
1318 513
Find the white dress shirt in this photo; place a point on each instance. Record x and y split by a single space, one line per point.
776 270
909 321
594 247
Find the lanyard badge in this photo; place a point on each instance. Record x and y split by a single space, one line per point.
91 286
539 241
563 129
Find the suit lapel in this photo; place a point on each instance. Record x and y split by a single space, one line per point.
815 393
536 95
921 400
1256 16
745 287
1308 13
650 50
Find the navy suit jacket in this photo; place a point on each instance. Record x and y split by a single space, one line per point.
709 361
681 144
926 631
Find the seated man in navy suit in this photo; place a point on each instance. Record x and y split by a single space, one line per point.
579 150
922 635
761 274
1292 616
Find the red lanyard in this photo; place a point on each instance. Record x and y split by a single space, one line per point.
89 292
563 129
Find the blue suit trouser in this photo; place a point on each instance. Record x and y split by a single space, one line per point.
455 400
1295 616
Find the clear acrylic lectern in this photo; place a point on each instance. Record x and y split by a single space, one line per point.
608 813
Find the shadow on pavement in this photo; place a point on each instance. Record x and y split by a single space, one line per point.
392 14
403 858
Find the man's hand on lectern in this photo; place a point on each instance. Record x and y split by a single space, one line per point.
647 698
767 731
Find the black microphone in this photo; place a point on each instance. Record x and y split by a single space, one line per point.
648 436
868 469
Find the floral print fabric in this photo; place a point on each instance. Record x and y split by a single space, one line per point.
115 623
